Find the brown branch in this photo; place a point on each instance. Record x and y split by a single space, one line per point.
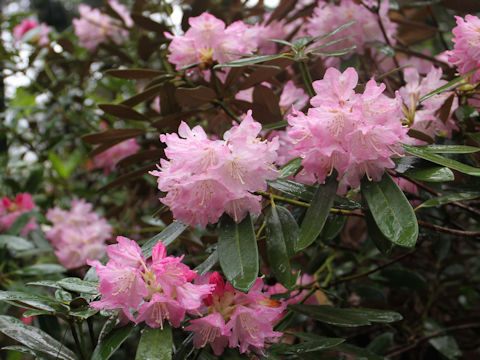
448 230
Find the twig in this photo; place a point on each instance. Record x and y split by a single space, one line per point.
448 230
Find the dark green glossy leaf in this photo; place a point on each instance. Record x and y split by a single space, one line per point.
249 61
381 343
83 312
346 317
274 126
208 264
437 159
434 174
167 236
446 344
28 300
446 199
41 269
358 352
107 347
448 86
78 285
391 211
317 213
449 149
282 234
339 52
15 243
20 223
381 242
400 277
155 344
290 168
332 227
313 343
34 338
333 32
133 74
303 192
238 253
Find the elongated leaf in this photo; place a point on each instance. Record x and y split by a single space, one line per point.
78 285
446 199
208 264
437 159
155 344
111 136
34 338
282 234
358 352
20 223
274 126
381 343
332 227
339 52
313 343
107 347
446 344
290 168
41 269
449 149
381 241
195 97
132 74
22 299
333 32
317 213
391 211
238 253
446 87
400 278
167 236
434 174
122 111
346 317
15 243
249 61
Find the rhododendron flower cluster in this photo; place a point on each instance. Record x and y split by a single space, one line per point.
152 291
109 158
26 25
236 319
11 210
427 119
78 234
205 178
94 27
466 51
356 134
296 295
328 17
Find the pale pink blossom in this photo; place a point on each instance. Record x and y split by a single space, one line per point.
205 178
466 51
10 211
355 134
121 10
95 27
153 291
78 234
110 157
427 118
26 25
235 319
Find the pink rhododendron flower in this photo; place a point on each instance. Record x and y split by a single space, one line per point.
157 290
297 295
78 234
26 25
236 319
205 178
10 211
466 51
95 27
427 119
328 17
109 158
356 134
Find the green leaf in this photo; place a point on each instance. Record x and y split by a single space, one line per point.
446 199
381 343
41 269
290 168
437 159
339 52
238 253
282 234
209 263
446 344
449 149
155 344
382 47
332 227
446 87
34 338
381 241
359 352
391 210
78 285
303 192
346 317
167 236
15 243
434 174
107 347
28 300
65 167
274 125
333 32
313 343
399 277
249 61
317 213
20 223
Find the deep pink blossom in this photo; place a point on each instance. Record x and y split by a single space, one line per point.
153 291
236 319
205 178
355 134
26 25
109 158
10 211
466 51
78 234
